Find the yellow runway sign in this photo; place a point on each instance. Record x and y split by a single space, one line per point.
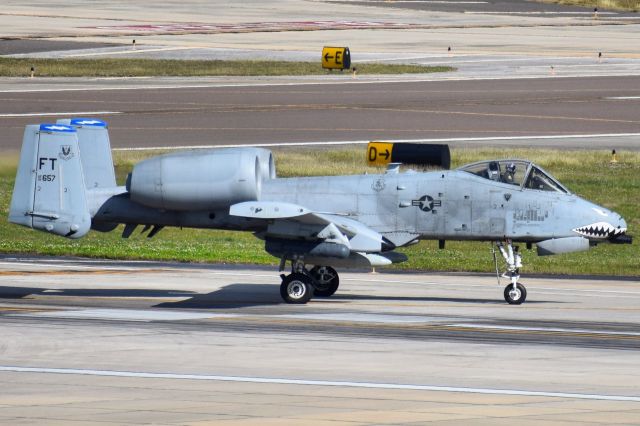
338 58
379 153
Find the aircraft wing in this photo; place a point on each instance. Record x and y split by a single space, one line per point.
291 221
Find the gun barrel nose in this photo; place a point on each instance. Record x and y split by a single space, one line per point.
621 236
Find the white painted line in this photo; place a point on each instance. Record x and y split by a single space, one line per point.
543 329
130 51
72 266
60 114
127 315
333 383
362 142
448 77
623 98
159 148
367 318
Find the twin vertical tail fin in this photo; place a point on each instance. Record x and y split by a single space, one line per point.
50 192
95 151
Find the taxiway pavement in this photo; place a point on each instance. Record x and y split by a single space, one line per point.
147 113
139 342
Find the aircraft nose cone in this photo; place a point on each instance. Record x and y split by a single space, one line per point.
622 224
601 224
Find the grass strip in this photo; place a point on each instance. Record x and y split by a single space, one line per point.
627 5
587 173
21 67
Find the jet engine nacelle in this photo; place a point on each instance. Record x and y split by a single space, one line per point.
200 180
562 245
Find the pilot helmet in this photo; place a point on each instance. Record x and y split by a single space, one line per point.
511 168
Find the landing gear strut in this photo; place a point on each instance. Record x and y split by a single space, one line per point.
302 284
514 293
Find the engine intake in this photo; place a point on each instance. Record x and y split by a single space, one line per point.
200 180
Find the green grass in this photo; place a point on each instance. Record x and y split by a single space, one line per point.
628 5
19 67
588 173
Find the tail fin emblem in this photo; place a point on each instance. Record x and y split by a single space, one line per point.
65 152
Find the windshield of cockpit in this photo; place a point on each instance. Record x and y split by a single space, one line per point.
515 172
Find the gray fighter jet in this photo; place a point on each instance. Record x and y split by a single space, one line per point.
66 186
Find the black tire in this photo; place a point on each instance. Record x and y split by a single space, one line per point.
516 297
325 280
296 288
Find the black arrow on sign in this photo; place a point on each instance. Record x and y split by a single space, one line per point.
327 57
385 154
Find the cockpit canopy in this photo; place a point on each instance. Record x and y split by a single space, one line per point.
521 173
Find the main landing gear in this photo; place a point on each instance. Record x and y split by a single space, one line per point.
514 293
301 284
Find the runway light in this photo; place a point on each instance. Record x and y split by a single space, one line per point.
33 71
599 57
450 51
134 44
595 13
614 159
552 71
355 72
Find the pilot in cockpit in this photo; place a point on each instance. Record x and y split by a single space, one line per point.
509 175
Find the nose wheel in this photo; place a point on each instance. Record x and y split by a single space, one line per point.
515 295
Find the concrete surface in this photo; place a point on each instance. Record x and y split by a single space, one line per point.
142 343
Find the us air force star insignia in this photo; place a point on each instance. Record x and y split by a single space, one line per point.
426 203
65 152
378 185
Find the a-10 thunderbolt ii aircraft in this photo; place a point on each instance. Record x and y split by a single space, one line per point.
66 186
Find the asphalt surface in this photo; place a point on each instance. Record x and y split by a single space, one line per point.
162 343
21 46
342 112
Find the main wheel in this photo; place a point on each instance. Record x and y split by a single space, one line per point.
296 288
515 296
325 280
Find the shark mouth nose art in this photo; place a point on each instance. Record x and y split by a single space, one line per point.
600 230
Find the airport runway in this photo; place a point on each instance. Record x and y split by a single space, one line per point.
279 111
138 342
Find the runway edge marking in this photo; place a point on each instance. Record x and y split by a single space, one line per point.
363 142
282 381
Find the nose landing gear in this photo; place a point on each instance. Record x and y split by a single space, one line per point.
514 293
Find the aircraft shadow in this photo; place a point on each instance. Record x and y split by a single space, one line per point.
231 296
497 301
